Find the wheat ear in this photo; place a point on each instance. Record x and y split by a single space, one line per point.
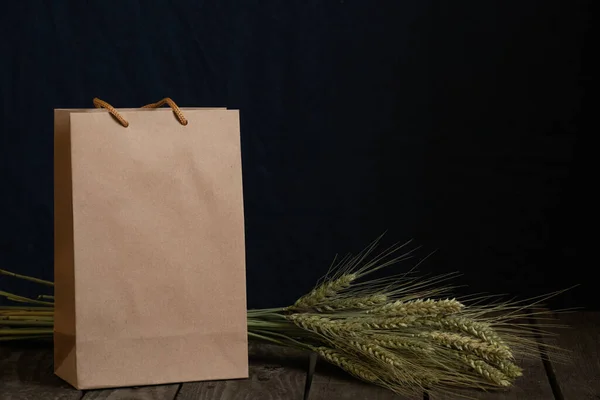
395 342
348 364
401 370
481 330
487 371
353 303
487 351
323 292
427 307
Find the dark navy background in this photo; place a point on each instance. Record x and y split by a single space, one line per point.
459 124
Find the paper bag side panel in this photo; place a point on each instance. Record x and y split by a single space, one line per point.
159 248
64 278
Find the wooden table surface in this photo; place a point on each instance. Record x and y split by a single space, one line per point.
284 374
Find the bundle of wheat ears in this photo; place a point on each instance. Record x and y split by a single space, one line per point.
401 332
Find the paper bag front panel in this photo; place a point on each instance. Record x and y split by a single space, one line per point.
158 248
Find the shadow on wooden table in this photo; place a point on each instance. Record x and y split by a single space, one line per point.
27 372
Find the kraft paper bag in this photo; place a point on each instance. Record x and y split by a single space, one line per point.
149 247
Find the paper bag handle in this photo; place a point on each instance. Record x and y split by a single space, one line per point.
102 104
171 103
113 111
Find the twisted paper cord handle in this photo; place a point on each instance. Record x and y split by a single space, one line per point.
102 104
171 103
113 111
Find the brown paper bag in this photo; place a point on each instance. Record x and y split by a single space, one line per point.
149 247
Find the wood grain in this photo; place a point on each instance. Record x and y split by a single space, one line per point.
578 377
276 373
533 385
330 382
27 373
162 392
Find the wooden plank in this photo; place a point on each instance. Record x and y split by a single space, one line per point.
579 376
533 385
162 392
330 382
26 373
276 373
